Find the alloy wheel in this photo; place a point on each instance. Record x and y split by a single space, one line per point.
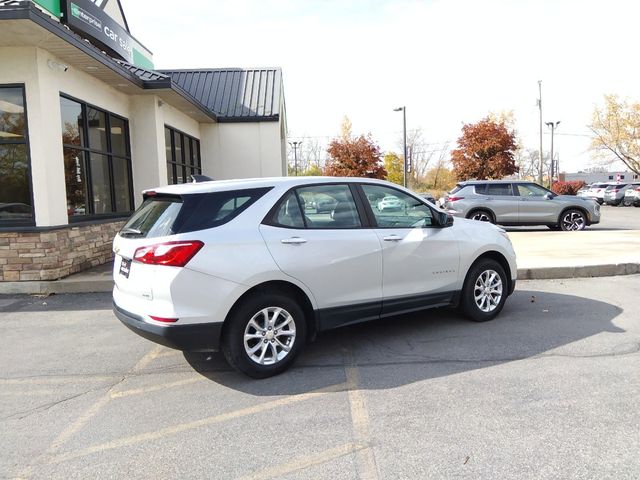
481 216
269 336
487 291
572 221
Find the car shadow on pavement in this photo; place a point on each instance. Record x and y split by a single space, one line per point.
402 350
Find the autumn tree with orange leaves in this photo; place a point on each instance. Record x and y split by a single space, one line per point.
486 150
354 156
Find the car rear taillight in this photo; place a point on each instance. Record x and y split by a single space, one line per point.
455 199
172 254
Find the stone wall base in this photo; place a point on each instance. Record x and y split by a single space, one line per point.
55 254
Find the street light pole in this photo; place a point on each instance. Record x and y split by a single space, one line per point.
552 126
540 108
404 141
295 156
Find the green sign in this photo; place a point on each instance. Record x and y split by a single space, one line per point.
51 6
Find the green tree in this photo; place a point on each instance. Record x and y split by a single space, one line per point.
395 168
617 131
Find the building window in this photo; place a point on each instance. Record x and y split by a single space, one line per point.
97 160
183 156
16 205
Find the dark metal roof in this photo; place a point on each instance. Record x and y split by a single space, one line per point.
144 75
234 95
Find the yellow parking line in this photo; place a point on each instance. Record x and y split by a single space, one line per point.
365 459
155 388
83 419
56 380
302 463
204 422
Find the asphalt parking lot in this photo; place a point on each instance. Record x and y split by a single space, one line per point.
547 390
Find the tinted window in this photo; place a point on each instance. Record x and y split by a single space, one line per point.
480 189
155 218
15 186
395 209
499 189
166 215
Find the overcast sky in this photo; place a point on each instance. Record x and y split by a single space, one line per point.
449 61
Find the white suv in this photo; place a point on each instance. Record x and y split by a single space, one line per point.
252 267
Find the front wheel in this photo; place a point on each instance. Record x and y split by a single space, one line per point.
481 215
264 335
573 220
484 291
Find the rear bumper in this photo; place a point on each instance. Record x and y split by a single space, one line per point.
201 337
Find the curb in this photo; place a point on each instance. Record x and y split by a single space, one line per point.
56 286
585 271
104 285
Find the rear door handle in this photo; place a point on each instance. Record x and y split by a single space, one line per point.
293 241
392 238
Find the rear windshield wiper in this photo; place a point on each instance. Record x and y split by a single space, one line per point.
131 232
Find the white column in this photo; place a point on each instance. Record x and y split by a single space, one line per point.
148 155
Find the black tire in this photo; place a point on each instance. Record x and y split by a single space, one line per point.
572 220
233 338
468 304
481 215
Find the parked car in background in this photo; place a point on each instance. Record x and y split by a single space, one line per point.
630 194
390 202
428 197
511 203
243 266
635 200
596 191
614 194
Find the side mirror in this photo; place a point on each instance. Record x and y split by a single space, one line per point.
445 220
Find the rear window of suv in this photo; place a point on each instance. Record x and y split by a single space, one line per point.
162 215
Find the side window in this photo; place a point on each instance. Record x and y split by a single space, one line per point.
531 190
289 213
395 209
480 189
499 189
329 206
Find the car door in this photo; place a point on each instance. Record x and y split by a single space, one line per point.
420 260
503 203
333 253
533 206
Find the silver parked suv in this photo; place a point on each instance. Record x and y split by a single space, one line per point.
509 202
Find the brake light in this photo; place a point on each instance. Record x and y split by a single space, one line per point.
455 199
172 254
163 320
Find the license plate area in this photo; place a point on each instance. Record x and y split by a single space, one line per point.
125 267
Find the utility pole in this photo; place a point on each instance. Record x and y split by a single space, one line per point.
540 108
295 156
404 140
552 126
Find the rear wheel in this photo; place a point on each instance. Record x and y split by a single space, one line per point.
264 335
485 291
481 215
573 220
